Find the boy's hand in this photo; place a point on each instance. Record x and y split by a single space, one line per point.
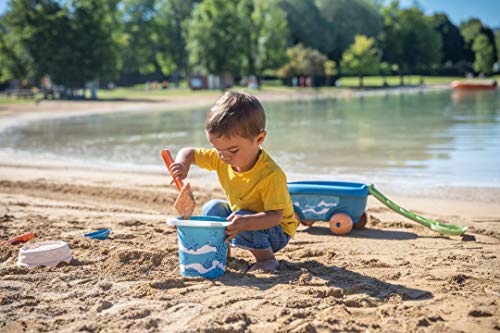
237 226
178 171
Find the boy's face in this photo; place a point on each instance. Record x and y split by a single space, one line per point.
239 152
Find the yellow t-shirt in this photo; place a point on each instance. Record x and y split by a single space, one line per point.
259 189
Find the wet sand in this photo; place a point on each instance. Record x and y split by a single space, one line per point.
394 276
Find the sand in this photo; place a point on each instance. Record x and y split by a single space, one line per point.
394 276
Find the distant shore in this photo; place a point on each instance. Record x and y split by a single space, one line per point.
195 99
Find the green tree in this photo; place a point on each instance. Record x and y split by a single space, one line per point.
158 32
248 38
303 61
409 39
348 19
469 30
385 69
172 19
15 61
331 71
307 25
44 32
270 36
472 28
214 38
331 68
497 43
265 35
96 43
142 38
361 58
73 42
484 54
452 41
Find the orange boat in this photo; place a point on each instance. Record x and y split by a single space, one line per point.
474 85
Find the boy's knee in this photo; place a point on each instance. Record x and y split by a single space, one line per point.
215 202
216 207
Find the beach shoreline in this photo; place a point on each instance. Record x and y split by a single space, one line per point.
47 109
395 275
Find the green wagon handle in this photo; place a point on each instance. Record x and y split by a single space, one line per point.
442 228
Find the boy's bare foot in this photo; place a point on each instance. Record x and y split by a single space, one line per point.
268 266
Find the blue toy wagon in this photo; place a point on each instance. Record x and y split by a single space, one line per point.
342 204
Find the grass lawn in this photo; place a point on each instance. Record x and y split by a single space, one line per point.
394 80
377 81
14 100
139 91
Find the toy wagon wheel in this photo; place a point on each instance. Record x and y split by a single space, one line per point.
363 221
341 224
307 223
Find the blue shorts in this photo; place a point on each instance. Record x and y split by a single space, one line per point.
274 238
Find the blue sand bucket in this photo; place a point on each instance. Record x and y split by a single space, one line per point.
202 251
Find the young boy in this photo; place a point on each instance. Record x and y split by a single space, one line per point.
259 205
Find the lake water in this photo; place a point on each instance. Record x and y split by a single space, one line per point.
438 138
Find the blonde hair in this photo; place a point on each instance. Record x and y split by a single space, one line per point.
236 113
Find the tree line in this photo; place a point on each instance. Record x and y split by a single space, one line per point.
129 41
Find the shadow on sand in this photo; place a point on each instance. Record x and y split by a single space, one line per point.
363 233
303 273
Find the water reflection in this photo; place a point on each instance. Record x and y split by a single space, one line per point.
445 136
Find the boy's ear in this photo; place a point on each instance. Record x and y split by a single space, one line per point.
261 136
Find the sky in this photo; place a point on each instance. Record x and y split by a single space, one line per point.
488 11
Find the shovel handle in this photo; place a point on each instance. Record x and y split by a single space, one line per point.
167 158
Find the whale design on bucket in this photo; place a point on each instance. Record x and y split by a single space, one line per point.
202 251
314 206
202 270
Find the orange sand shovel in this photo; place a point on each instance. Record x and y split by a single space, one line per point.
19 239
185 203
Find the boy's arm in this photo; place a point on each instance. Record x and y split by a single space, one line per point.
202 157
257 221
183 160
